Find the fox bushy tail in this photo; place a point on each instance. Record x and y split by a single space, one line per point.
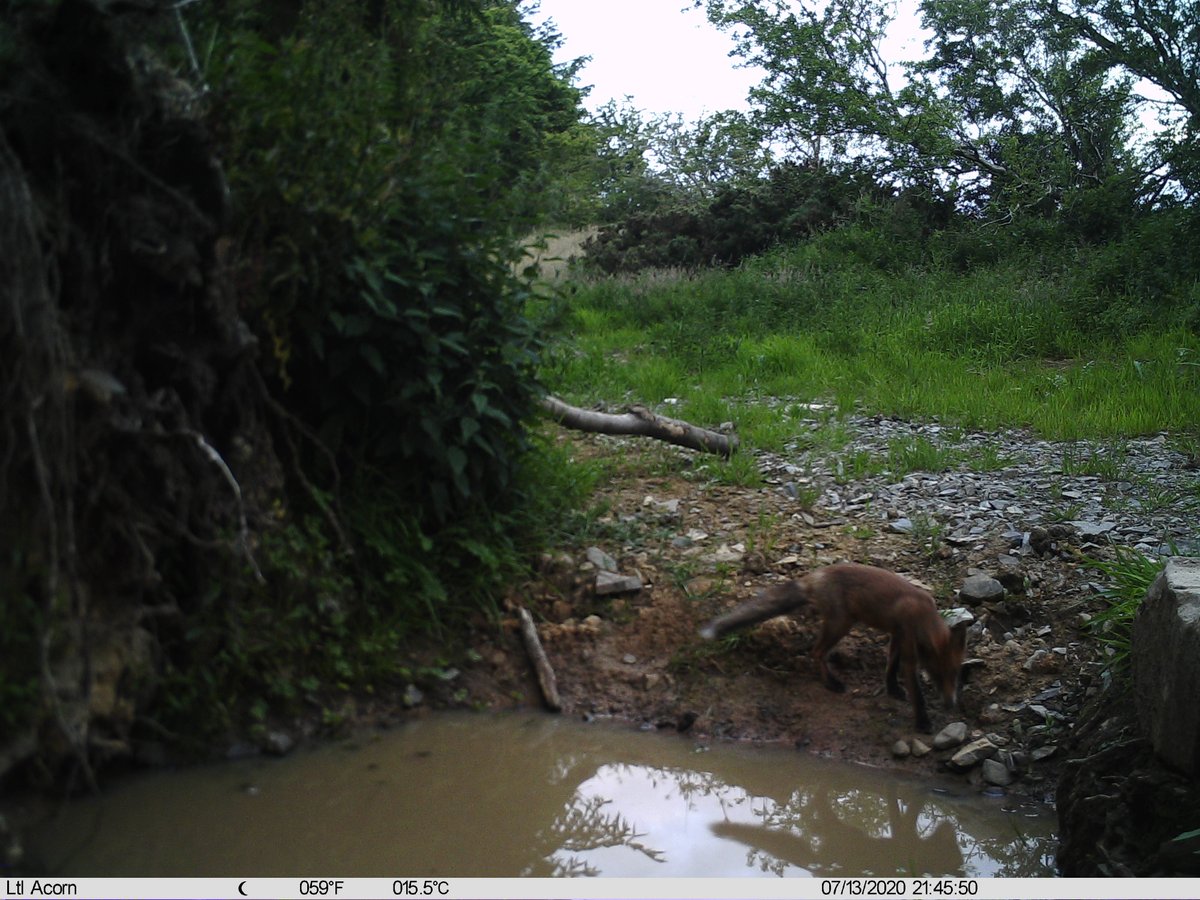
775 601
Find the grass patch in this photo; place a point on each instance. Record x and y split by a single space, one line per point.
918 454
996 346
1131 575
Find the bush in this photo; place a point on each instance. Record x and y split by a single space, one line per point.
793 203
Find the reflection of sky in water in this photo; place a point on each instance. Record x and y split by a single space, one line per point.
635 820
670 819
502 796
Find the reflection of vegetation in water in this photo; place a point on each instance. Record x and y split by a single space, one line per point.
585 826
853 832
847 832
823 829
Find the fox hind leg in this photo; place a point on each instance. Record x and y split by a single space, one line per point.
893 666
832 631
897 648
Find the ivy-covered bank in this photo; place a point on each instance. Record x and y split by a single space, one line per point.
264 367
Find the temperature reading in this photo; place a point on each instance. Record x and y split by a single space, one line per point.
321 887
420 887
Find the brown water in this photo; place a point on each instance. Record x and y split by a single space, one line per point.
526 794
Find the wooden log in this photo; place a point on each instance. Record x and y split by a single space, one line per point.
537 655
641 421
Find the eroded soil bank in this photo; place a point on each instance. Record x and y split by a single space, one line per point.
1031 517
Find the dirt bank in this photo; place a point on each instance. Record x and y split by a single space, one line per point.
700 547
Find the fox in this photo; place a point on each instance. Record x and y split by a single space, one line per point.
848 593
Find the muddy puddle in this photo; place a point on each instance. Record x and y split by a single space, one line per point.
526 794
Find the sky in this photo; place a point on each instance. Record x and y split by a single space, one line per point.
668 57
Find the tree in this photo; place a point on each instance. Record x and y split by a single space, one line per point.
713 153
1008 105
1043 113
1159 41
828 88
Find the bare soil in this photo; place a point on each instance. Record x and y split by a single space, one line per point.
637 656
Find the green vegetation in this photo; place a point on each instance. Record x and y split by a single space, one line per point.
1130 574
325 622
332 453
1023 341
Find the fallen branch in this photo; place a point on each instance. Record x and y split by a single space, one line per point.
640 421
545 674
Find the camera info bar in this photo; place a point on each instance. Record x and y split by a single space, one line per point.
599 888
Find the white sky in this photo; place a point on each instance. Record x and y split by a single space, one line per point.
667 56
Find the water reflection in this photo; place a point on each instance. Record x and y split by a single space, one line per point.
643 820
533 795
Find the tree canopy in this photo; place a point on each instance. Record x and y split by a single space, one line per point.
1020 104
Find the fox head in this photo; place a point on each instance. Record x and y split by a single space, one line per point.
945 666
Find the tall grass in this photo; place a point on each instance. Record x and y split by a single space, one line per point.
1130 575
1006 344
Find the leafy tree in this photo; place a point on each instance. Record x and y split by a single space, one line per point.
704 157
1013 107
1043 111
1158 40
622 180
380 166
827 87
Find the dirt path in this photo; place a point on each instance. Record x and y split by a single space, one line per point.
700 548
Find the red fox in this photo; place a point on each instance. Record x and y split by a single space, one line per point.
848 593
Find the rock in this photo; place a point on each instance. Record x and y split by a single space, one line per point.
1040 542
611 583
900 749
901 526
1040 753
1166 664
950 736
972 754
601 560
278 743
629 659
725 554
1043 662
995 772
670 507
1093 529
412 697
959 614
919 748
979 589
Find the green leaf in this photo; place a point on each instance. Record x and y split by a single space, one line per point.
469 428
373 357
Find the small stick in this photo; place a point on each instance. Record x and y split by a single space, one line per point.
545 674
